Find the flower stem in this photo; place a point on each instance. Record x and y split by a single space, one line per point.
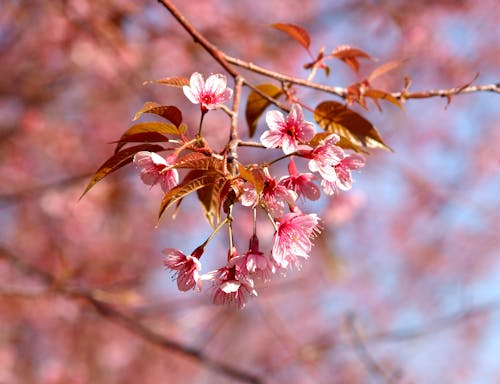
203 113
214 232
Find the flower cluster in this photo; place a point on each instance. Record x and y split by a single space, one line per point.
329 169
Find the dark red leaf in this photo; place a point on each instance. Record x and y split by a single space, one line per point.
119 160
169 112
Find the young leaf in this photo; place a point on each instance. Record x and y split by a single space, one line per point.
211 199
384 68
143 137
118 160
162 128
299 34
193 181
376 94
256 104
169 112
195 160
170 81
359 132
350 56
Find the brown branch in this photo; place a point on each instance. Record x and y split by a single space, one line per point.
13 197
448 92
131 324
339 91
225 61
199 38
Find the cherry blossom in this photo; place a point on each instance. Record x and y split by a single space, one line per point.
273 195
232 283
255 262
300 183
187 268
287 132
155 168
325 157
343 181
293 238
210 94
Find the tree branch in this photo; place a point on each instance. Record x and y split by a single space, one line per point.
123 320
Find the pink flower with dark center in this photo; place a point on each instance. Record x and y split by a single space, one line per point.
293 238
325 157
343 169
187 268
273 195
232 283
300 183
155 169
287 132
210 94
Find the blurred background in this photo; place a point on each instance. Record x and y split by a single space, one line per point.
403 286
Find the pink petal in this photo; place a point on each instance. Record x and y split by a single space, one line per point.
275 120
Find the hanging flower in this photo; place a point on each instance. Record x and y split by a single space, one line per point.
254 261
232 283
325 157
287 132
210 94
300 183
343 180
293 237
187 268
155 169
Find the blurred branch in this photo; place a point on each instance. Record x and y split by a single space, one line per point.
123 320
13 197
363 354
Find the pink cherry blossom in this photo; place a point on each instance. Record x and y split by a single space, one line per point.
187 268
293 238
254 261
343 181
232 283
210 94
325 157
155 168
287 132
300 183
273 195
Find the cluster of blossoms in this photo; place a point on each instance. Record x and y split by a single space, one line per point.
329 170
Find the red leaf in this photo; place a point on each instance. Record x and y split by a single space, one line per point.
211 199
198 161
119 160
143 137
299 34
151 127
350 55
193 181
169 112
337 118
170 81
384 68
378 94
